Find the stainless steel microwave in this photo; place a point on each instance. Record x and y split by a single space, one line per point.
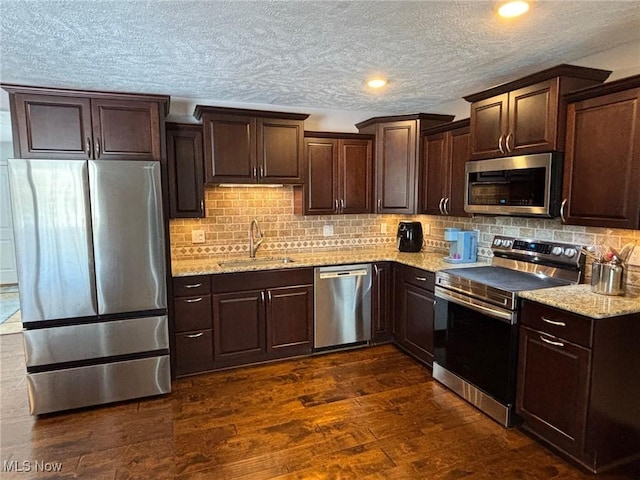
526 185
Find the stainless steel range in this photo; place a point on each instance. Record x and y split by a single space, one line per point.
476 319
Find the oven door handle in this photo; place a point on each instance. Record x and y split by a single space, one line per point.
505 316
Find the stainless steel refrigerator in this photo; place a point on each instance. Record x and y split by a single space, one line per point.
91 270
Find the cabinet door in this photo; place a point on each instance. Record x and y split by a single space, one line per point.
396 150
185 168
489 127
418 310
52 127
602 163
533 119
280 150
239 327
459 155
553 384
289 321
229 149
381 295
435 172
125 130
194 352
355 176
322 176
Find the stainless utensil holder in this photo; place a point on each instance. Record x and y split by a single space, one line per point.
608 278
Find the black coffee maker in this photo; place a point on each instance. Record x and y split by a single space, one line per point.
410 236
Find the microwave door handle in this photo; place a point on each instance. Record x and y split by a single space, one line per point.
505 316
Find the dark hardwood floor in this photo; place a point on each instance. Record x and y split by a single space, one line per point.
364 414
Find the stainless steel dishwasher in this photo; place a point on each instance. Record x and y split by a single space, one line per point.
342 305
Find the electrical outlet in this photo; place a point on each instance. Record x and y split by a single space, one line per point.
327 231
197 236
383 228
426 229
634 259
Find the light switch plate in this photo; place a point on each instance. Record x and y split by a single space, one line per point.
197 236
327 231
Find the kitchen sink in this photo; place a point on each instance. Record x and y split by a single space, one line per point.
248 262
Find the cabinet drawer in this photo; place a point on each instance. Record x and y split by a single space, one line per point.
419 278
192 313
559 323
194 352
191 286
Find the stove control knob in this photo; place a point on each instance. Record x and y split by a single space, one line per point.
570 252
497 242
557 250
507 243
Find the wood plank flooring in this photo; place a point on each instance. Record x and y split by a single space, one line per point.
363 414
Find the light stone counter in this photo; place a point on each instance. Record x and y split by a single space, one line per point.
425 260
581 300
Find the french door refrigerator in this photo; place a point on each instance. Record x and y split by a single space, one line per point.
91 271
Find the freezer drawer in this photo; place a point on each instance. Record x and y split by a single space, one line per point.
98 384
95 340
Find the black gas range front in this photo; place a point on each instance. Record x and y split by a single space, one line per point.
476 318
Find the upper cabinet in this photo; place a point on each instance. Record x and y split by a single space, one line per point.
397 150
601 184
251 146
68 124
185 170
527 115
339 173
444 153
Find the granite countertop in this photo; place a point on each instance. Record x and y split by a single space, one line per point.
581 300
430 261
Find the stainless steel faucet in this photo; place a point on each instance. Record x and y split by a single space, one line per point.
253 243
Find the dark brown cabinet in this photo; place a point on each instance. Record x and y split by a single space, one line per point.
444 153
578 383
339 174
397 151
527 115
414 304
192 325
381 296
185 170
250 146
264 315
602 162
68 124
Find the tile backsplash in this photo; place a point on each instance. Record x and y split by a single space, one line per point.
229 212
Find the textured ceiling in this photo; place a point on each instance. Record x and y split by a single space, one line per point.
300 53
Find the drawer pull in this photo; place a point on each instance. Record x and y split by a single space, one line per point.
421 279
551 342
193 300
195 335
194 285
553 322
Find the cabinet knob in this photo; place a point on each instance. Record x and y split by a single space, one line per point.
551 342
446 206
507 147
500 143
440 206
88 147
553 322
379 204
97 148
195 335
193 300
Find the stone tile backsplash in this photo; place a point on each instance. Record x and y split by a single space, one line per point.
229 212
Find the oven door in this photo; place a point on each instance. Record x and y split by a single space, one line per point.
477 342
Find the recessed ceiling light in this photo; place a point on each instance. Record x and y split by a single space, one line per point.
377 82
513 8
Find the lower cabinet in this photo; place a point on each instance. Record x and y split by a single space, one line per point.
240 318
192 324
381 302
579 384
414 308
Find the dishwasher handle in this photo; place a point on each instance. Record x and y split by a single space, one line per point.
343 273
